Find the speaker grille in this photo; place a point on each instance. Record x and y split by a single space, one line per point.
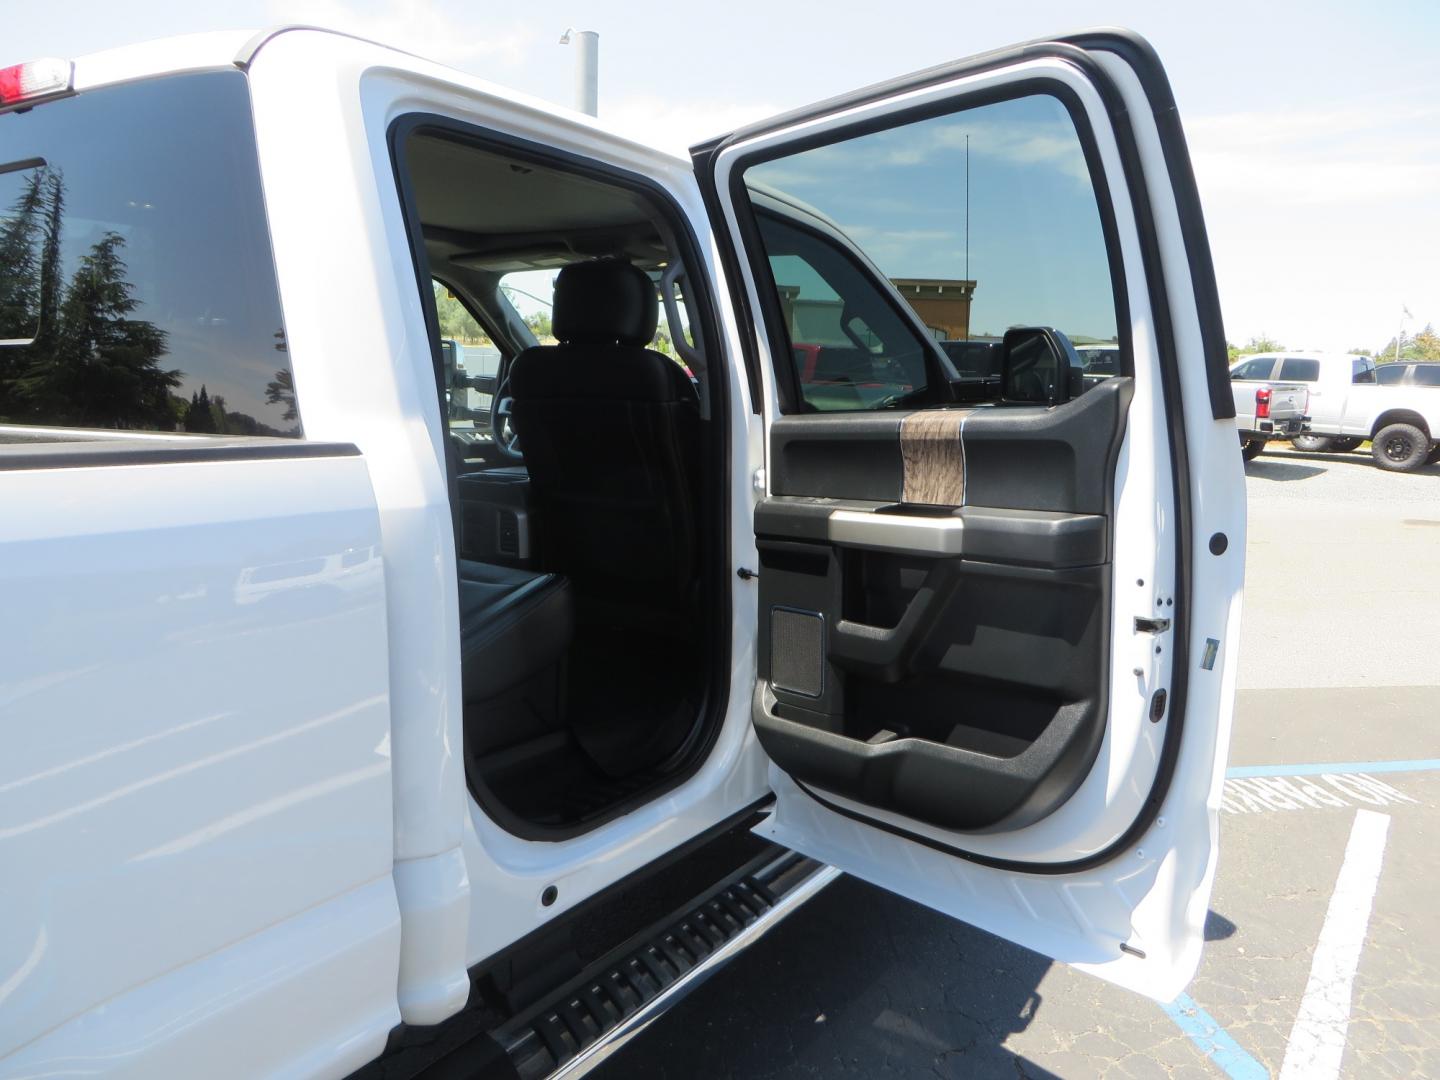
797 650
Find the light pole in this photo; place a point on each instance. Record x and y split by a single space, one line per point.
1401 332
587 68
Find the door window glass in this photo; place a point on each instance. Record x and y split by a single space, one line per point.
1295 369
471 364
1252 370
1362 371
137 287
1427 375
889 249
850 345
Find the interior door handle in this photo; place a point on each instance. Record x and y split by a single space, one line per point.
889 655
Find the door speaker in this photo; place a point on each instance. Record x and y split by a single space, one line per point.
797 651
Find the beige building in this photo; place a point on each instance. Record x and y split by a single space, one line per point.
943 304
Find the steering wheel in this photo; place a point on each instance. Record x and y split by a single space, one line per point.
502 405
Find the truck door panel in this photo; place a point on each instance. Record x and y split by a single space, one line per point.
962 675
196 712
973 665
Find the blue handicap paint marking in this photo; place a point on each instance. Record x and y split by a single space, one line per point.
1214 1041
1333 768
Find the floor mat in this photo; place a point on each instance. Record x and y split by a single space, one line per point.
555 783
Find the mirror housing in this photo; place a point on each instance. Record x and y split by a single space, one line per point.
1039 366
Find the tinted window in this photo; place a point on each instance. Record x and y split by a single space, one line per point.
137 287
1253 369
1362 371
851 348
1293 369
1100 360
1427 375
873 256
471 363
1390 374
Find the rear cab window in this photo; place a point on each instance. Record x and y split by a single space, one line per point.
1297 369
137 284
1253 370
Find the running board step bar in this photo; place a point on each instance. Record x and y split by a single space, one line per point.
582 1024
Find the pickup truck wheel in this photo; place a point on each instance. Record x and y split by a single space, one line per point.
1344 444
1250 448
1400 447
1313 444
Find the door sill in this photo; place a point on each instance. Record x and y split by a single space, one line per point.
582 1025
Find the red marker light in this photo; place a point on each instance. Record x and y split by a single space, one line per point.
1262 403
34 81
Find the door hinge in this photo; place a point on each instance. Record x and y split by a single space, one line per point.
746 574
1144 625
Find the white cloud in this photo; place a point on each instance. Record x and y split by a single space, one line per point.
1318 219
677 125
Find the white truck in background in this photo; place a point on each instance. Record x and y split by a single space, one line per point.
1347 406
1267 413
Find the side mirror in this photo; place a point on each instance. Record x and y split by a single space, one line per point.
1039 366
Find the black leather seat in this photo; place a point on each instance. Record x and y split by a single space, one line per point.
610 434
513 625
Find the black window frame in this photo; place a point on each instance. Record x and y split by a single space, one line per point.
1362 371
716 479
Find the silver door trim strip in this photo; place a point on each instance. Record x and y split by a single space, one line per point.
915 533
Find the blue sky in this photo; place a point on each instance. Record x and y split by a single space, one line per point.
1036 249
1315 127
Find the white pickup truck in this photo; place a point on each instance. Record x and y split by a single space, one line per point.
1268 412
1347 406
334 747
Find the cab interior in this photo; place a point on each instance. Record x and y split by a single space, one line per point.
962 688
578 472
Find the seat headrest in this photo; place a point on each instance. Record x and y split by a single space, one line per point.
602 302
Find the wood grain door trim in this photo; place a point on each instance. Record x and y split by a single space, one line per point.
932 453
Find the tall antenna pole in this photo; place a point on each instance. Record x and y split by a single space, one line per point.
967 207
587 68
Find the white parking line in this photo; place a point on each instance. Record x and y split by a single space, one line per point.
1317 1041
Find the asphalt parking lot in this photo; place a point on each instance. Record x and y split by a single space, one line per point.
1330 850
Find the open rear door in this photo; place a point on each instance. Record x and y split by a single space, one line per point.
1002 537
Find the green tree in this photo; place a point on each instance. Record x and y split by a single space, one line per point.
200 418
1424 345
1261 343
455 321
539 324
103 369
21 229
281 391
29 280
